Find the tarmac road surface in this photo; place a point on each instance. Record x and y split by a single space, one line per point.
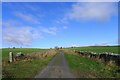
57 68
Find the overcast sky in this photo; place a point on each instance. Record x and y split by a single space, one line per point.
45 25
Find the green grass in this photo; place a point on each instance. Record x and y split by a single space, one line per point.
5 51
98 49
23 69
88 67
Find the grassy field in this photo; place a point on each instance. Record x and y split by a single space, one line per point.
5 51
99 49
80 66
85 67
24 68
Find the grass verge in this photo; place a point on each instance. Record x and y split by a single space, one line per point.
28 67
23 69
88 68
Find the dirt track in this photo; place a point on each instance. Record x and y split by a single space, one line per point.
57 68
